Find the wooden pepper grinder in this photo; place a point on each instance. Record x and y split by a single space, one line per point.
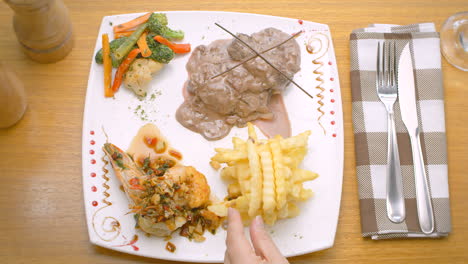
43 28
13 100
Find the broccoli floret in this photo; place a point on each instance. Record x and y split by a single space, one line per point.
129 43
114 44
162 18
159 52
157 24
172 34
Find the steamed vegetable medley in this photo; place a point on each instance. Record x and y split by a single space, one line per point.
141 47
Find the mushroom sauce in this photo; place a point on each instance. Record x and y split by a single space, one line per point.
214 105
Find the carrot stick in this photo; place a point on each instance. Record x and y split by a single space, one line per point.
143 46
123 69
132 23
107 61
123 34
177 48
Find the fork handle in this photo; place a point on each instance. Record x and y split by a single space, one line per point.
423 197
395 199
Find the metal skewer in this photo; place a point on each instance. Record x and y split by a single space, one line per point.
255 56
263 58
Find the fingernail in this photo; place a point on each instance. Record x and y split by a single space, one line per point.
259 221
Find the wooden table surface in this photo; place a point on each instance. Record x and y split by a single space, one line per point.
42 218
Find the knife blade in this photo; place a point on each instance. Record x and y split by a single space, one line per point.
409 115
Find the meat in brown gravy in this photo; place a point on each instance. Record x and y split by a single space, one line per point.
241 95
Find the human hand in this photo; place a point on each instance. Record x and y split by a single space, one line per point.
240 251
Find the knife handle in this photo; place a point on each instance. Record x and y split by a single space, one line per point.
423 196
395 200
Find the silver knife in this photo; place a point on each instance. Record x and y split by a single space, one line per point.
407 99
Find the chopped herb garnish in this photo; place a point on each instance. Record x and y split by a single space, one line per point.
146 163
120 164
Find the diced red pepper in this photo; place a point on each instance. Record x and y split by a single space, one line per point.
151 141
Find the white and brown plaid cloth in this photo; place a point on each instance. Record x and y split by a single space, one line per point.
370 130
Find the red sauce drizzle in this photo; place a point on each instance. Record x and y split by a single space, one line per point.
131 243
91 152
334 135
332 100
93 174
332 79
94 203
93 161
332 122
332 112
92 142
300 21
94 189
331 90
91 132
330 63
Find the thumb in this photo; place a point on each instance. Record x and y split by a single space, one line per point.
262 243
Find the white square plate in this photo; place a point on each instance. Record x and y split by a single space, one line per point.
109 223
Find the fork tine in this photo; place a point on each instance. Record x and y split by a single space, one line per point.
389 60
390 63
394 64
377 75
384 61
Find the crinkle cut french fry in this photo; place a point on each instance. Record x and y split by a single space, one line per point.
293 210
255 180
252 134
296 141
239 144
225 156
241 203
283 212
295 192
243 176
269 195
305 194
264 176
270 218
228 173
234 190
219 209
215 165
280 172
300 176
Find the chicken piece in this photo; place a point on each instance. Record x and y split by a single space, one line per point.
139 75
195 191
160 229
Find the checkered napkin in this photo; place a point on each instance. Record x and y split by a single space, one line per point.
370 130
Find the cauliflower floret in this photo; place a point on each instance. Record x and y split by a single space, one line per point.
140 74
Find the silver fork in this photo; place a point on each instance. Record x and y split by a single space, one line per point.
386 85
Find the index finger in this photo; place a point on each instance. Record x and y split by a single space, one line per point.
236 242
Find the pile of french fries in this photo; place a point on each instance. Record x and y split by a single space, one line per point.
263 175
